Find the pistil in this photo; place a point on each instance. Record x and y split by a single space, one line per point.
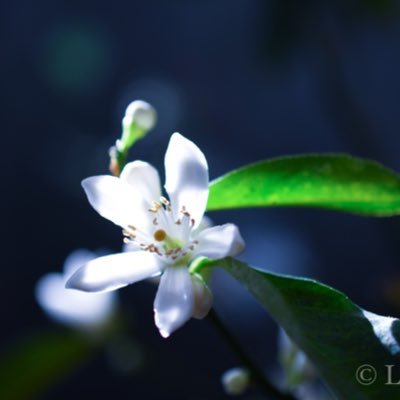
170 238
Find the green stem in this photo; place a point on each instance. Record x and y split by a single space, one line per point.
268 388
117 159
121 158
130 135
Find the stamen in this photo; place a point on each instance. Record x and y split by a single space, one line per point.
185 212
173 233
164 201
128 234
155 207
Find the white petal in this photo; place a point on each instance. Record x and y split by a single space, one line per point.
72 307
173 305
219 242
186 173
202 298
144 178
206 222
115 271
76 259
131 246
117 201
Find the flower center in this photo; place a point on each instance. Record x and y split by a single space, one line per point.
170 237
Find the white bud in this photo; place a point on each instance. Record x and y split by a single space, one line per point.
141 113
297 367
235 381
202 298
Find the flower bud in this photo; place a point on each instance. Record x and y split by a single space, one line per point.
202 298
139 118
235 381
297 367
140 113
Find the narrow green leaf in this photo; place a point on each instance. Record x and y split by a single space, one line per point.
31 367
338 182
338 336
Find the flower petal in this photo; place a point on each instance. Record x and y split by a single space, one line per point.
186 173
71 307
202 297
115 271
117 201
173 305
144 178
206 222
219 242
76 259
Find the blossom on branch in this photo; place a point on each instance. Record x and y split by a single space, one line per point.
166 235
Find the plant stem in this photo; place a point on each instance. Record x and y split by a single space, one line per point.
268 388
117 160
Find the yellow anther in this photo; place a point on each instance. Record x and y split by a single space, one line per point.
155 207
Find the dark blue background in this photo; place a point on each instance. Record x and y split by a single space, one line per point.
245 80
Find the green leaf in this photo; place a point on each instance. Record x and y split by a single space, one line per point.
338 182
337 335
31 367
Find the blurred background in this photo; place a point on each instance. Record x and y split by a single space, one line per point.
245 80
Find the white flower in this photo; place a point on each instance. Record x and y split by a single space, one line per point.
80 310
235 381
166 236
